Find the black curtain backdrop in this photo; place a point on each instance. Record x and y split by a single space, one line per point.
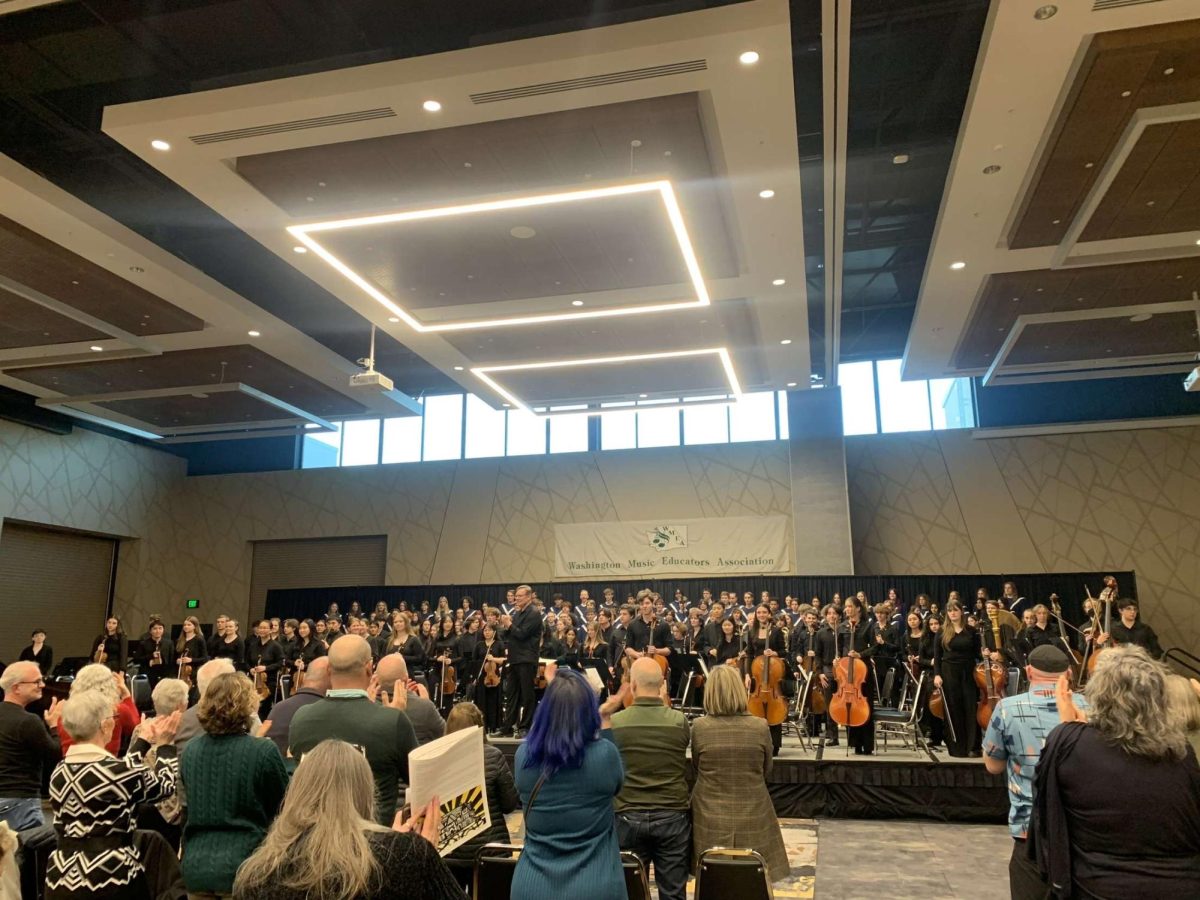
301 603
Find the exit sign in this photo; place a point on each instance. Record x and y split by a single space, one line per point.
193 604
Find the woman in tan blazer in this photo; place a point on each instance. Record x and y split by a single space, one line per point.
732 753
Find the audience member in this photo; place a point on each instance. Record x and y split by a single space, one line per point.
1014 741
10 878
189 725
235 783
427 722
316 683
1183 706
170 695
29 748
567 774
348 713
730 747
1101 772
652 806
326 842
94 794
97 677
501 794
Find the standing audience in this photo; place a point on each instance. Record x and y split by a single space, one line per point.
29 748
326 842
235 783
99 678
427 722
316 683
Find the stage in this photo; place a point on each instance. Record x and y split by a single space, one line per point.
897 783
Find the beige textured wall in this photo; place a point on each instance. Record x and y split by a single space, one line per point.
946 502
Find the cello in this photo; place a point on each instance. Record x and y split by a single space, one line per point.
766 674
989 678
1107 596
848 705
808 665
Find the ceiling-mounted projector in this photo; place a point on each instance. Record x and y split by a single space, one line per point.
371 379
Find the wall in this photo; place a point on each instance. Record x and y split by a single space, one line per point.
947 502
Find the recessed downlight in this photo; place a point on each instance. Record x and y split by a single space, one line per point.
1042 13
791 384
394 319
643 396
786 341
160 145
431 106
959 264
522 232
991 170
780 282
766 194
577 303
899 159
299 248
97 348
254 333
458 368
1141 317
749 58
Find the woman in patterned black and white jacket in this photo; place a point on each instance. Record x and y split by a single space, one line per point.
94 795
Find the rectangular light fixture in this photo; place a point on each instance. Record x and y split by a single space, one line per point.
485 373
305 235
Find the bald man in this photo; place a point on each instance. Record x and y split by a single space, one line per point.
316 683
29 746
427 722
348 713
652 807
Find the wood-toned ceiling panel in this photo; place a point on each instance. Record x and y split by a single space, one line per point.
1010 294
185 368
606 244
1096 113
533 154
26 324
35 262
1097 339
199 409
1157 190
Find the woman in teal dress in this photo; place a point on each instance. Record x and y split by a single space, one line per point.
567 773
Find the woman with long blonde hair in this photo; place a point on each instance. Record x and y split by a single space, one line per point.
955 654
325 842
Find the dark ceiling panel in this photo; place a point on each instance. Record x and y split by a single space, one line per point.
1097 339
1008 295
26 324
35 262
1134 60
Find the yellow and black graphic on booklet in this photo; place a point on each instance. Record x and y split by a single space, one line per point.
461 816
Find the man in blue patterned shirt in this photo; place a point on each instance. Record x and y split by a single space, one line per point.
1013 745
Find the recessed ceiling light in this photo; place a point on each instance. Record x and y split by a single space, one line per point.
160 145
786 341
1088 165
299 248
254 333
643 396
507 404
1140 317
1042 13
780 282
431 106
1169 71
766 194
522 232
97 348
958 265
458 368
393 319
899 159
749 58
791 384
577 303
991 170
1126 93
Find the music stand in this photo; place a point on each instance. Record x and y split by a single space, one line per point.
693 663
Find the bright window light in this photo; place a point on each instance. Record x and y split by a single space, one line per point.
526 433
753 418
952 406
443 427
903 405
618 429
402 439
485 429
360 443
568 434
706 424
857 382
658 427
783 416
321 450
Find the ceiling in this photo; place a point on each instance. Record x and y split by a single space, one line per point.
871 121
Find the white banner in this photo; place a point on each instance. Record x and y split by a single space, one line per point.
747 545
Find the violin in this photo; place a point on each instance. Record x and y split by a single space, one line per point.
989 677
298 676
260 684
100 656
491 669
449 680
185 674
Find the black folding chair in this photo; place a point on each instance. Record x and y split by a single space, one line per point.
637 883
494 868
726 872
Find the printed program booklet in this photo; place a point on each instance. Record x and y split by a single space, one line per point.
451 769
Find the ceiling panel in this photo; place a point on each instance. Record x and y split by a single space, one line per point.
1122 71
185 368
1099 338
27 324
46 267
673 377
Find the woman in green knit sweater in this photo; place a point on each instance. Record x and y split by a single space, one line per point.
234 786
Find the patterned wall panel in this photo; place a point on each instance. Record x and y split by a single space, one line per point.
905 516
750 480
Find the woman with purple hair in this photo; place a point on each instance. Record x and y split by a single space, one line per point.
567 771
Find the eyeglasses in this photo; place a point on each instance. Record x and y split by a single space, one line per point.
38 681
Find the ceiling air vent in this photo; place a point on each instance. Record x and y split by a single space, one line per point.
363 115
1098 5
590 81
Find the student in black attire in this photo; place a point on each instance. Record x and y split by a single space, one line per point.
445 654
886 638
39 652
264 656
764 639
859 643
998 638
156 654
830 643
918 648
231 646
490 649
114 645
1043 631
955 655
712 628
523 641
1130 631
804 654
645 632
401 640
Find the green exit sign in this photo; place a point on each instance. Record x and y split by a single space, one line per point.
193 604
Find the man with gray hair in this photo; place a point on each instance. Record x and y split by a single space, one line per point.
427 722
349 713
189 725
652 809
29 747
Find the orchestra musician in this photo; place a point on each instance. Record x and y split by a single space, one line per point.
1011 601
156 654
646 635
445 655
763 638
857 642
1131 631
264 656
803 651
886 641
401 640
829 649
231 646
955 655
727 646
307 648
999 638
918 650
490 654
191 649
1043 631
112 644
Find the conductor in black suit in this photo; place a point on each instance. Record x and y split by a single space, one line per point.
524 641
